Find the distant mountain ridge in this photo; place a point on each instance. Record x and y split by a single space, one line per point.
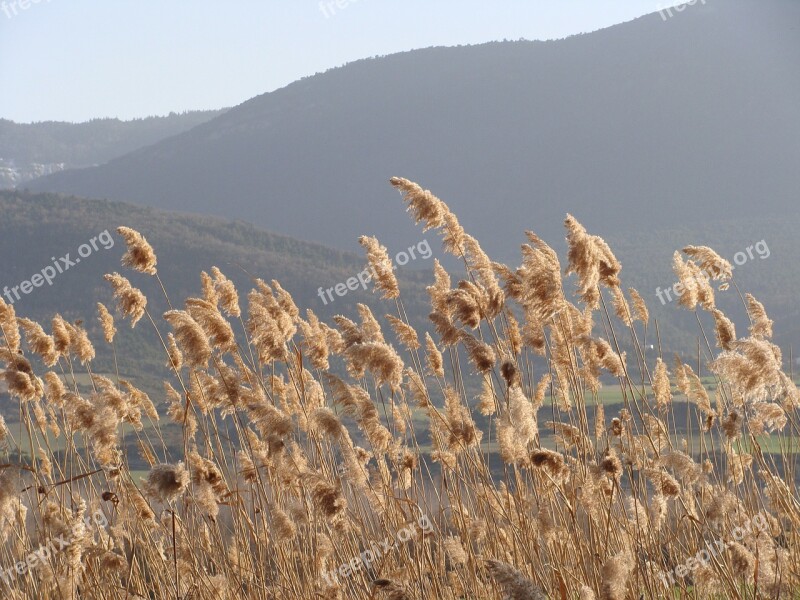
36 227
642 125
30 150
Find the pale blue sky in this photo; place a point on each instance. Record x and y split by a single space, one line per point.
77 59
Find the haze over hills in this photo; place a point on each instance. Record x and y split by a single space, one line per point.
36 227
693 117
30 150
515 135
39 226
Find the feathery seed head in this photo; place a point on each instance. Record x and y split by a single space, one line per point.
140 255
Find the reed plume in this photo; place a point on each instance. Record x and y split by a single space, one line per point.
139 255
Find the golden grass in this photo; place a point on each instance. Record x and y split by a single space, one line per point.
323 461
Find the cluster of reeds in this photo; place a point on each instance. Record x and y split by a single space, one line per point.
305 444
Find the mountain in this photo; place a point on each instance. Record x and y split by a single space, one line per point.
39 230
646 125
30 150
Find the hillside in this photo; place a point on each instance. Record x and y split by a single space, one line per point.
30 150
38 227
694 117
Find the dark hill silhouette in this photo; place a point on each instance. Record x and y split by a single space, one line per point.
645 125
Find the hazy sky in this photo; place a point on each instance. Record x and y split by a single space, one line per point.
77 59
